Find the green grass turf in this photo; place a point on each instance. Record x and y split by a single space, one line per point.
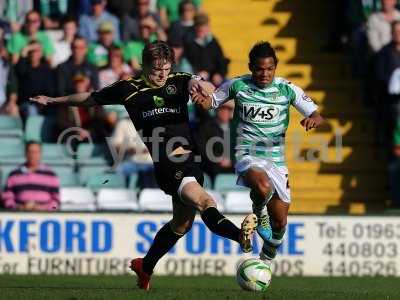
193 288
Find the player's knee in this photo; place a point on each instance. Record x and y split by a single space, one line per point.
181 227
278 224
263 189
205 202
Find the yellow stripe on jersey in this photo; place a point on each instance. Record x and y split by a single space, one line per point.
179 74
131 95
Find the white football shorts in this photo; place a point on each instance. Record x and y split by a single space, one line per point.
279 176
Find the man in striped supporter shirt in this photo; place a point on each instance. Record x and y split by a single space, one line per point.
32 186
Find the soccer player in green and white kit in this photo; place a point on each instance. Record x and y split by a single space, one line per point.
262 103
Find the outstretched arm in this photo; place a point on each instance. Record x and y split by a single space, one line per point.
313 121
81 99
210 98
200 92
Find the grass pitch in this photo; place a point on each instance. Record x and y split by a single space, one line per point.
193 288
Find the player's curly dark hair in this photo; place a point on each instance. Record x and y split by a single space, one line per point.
157 50
261 50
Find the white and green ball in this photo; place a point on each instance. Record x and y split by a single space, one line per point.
254 275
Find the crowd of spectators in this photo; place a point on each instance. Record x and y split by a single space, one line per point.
62 47
371 32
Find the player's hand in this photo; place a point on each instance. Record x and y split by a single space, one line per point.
308 123
312 121
43 100
198 97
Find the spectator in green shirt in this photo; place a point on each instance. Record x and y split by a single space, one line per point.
169 11
18 45
98 52
148 33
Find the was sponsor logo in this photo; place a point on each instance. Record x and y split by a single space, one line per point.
260 113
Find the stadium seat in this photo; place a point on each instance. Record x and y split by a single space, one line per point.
117 199
67 176
133 181
77 199
92 154
12 154
227 182
40 128
12 140
207 182
238 202
155 200
218 199
105 180
85 172
56 155
10 127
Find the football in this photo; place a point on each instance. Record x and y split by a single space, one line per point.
254 275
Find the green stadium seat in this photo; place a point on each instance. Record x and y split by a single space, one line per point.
133 181
226 182
12 152
67 176
92 154
10 126
40 128
12 140
105 180
207 182
85 172
56 155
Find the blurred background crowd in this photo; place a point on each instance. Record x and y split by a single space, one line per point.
59 47
371 36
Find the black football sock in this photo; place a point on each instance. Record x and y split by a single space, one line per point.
219 224
164 240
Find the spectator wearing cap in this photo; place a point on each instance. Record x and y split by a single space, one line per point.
131 23
89 24
205 53
183 29
169 10
216 155
98 51
133 50
63 45
18 45
379 25
76 64
32 186
34 77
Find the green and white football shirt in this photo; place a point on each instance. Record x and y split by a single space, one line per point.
261 115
